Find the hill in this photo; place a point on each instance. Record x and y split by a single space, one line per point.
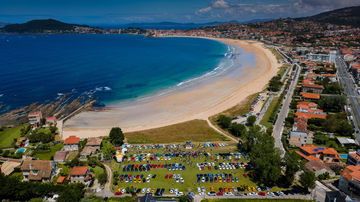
2 24
40 26
343 16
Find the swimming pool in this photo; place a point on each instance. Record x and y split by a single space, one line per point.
21 150
343 156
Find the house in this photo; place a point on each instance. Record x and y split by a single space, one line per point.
319 167
300 135
60 156
308 110
332 77
71 143
312 88
51 120
9 166
81 174
35 118
310 96
37 170
94 142
345 141
61 180
86 152
312 152
354 158
350 181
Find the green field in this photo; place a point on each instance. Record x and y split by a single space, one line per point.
47 155
273 106
195 130
189 175
8 135
283 69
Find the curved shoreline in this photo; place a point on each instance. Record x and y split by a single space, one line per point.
196 103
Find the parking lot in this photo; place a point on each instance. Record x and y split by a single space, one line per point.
204 169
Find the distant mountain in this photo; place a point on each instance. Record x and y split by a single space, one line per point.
160 25
343 16
2 24
40 26
174 25
256 20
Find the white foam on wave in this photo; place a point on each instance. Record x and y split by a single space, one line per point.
222 67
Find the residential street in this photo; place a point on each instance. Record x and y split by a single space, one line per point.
351 91
279 124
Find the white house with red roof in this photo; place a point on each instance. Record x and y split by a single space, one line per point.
34 118
71 143
81 174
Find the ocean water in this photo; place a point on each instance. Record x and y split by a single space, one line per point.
110 68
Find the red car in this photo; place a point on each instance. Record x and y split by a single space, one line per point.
261 193
118 193
219 194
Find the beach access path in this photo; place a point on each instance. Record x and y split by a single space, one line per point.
234 139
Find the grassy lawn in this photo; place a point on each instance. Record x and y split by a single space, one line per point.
48 155
273 106
122 199
242 108
283 69
8 135
277 54
255 200
195 130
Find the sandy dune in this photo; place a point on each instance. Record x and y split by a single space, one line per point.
198 102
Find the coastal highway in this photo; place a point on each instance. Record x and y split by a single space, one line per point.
280 121
350 89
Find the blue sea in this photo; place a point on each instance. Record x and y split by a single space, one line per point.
109 68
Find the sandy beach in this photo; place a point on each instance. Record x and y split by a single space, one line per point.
198 102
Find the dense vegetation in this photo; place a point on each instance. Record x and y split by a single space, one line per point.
116 136
275 84
13 189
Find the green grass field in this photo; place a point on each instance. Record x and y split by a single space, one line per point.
242 108
273 106
49 154
8 135
283 69
189 175
195 130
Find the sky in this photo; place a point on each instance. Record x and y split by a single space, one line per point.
130 11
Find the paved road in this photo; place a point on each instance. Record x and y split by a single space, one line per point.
280 121
350 90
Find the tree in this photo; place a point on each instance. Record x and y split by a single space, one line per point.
108 150
237 129
102 178
292 163
224 121
275 84
42 121
116 136
251 120
307 180
332 103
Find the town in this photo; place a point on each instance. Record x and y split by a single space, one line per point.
297 140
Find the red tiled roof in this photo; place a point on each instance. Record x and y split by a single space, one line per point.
355 156
35 114
79 170
329 75
351 173
51 118
72 140
60 179
313 86
310 115
315 96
